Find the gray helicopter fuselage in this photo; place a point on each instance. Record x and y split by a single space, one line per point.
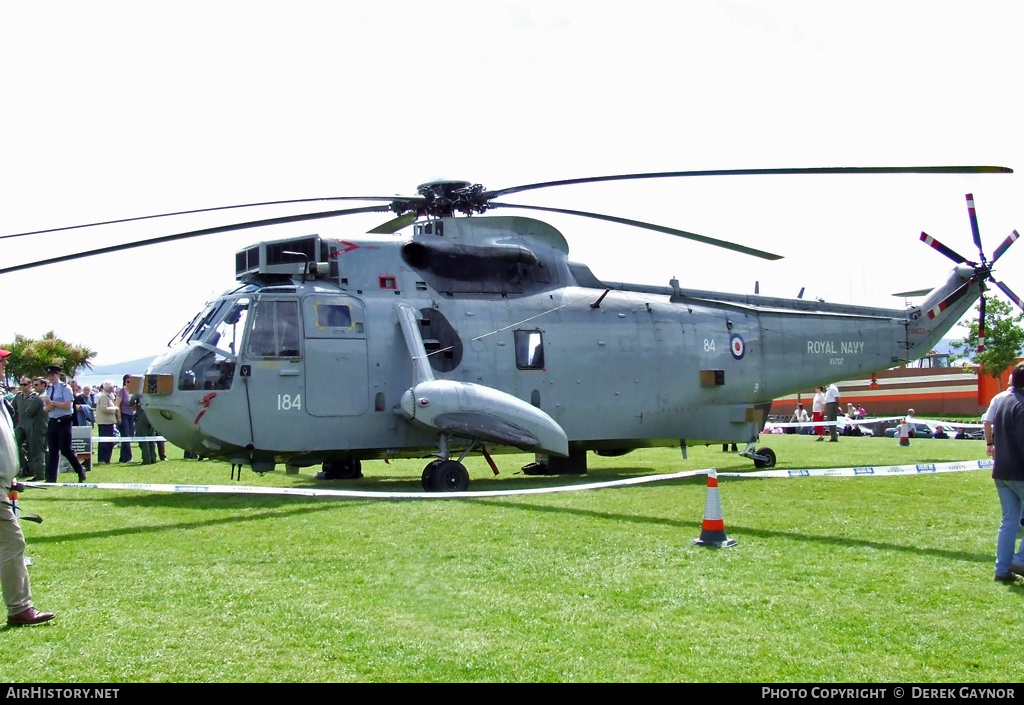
307 357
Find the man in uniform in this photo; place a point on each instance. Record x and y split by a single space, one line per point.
144 428
21 424
13 576
36 420
58 402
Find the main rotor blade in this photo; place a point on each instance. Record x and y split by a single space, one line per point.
210 210
650 226
1004 246
195 233
1013 297
760 172
395 224
935 244
974 224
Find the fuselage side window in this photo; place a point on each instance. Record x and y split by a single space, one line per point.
529 350
333 315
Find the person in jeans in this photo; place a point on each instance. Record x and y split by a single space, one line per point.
127 423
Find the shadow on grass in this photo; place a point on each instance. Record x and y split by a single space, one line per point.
276 511
734 529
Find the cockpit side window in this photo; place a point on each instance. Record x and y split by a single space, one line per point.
275 329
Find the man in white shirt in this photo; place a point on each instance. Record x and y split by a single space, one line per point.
832 411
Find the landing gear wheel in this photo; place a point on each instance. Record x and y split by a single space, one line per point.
450 476
428 475
769 461
347 469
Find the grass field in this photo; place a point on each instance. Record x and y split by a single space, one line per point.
834 579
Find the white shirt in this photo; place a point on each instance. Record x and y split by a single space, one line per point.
991 411
831 394
819 402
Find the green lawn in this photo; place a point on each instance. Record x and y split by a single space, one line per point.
834 579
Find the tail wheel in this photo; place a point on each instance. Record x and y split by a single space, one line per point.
769 458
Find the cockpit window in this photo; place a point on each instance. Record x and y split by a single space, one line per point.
227 334
211 314
201 323
275 329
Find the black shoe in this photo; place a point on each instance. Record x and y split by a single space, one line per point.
1008 578
1017 569
81 476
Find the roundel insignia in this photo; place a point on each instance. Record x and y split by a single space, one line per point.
736 346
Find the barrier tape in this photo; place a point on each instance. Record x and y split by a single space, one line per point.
363 494
96 440
920 469
888 471
883 419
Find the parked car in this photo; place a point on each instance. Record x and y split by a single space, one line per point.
918 429
848 428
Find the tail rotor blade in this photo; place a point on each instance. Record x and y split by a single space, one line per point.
974 224
1013 297
936 245
1005 245
981 326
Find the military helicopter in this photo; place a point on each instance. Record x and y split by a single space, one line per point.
477 333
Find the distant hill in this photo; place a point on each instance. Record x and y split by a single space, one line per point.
114 372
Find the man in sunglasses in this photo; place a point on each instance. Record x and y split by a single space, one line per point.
58 402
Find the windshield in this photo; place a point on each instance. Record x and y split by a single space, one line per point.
226 332
218 332
212 312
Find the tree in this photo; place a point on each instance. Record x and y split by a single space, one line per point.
1004 338
30 358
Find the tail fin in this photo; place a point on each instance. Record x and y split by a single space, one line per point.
945 305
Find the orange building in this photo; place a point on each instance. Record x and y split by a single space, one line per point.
929 386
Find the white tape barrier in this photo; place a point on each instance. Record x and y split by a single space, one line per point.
858 422
364 494
886 471
880 471
96 440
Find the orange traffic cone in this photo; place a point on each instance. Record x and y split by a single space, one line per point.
712 530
